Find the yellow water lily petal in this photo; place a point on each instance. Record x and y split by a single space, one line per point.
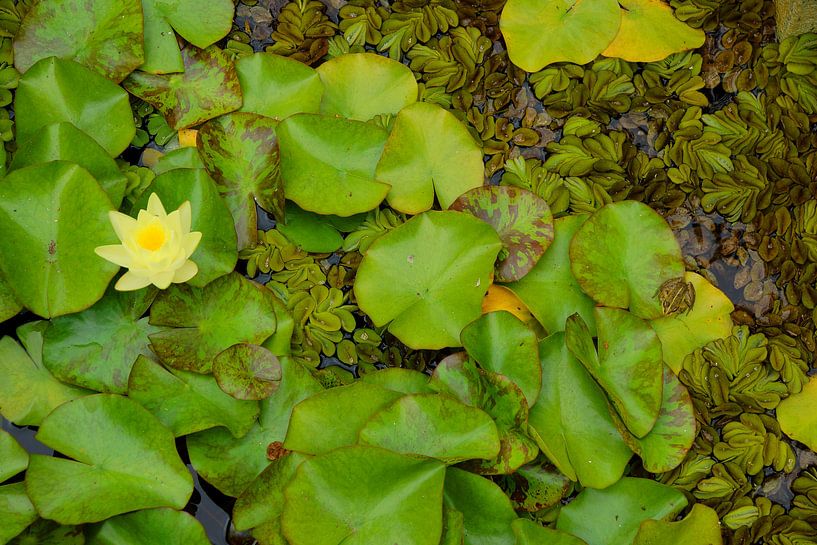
191 241
115 253
122 223
130 282
650 32
155 205
185 216
162 279
797 415
185 272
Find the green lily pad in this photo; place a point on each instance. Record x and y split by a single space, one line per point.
700 527
105 36
486 510
188 402
570 420
56 90
428 152
797 415
205 321
528 532
628 365
316 233
231 465
709 319
550 290
521 219
16 511
126 460
97 347
278 87
612 516
240 151
357 402
621 270
502 343
540 33
28 392
433 425
207 88
399 379
361 494
328 163
53 270
429 292
362 85
216 253
247 371
263 501
178 158
9 305
201 24
65 142
13 457
164 526
539 486
48 532
650 32
667 444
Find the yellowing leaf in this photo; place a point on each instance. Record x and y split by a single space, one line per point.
708 320
650 32
187 138
798 415
501 298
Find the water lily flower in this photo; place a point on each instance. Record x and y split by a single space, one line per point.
156 246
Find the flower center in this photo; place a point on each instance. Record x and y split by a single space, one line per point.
151 237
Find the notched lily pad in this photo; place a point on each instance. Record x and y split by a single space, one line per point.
162 525
207 88
521 219
240 152
700 526
104 35
247 371
276 86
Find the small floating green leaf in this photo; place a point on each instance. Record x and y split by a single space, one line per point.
797 415
700 527
247 371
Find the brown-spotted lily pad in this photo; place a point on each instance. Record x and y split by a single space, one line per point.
240 152
207 88
247 371
104 35
521 219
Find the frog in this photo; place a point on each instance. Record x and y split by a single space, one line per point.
676 296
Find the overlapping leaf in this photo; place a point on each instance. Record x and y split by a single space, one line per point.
16 511
247 371
162 525
798 415
275 86
13 457
700 526
486 510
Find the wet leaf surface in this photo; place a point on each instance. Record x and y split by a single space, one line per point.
163 525
278 87
247 371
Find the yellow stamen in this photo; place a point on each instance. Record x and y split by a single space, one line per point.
151 237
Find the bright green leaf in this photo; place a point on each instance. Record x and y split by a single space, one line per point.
700 527
399 379
278 87
16 511
487 512
311 232
9 305
48 532
156 526
797 415
178 158
13 457
528 532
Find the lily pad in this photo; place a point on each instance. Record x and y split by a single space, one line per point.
240 151
521 219
620 270
207 88
188 402
263 501
539 486
429 292
362 85
667 444
276 86
97 347
797 415
700 527
205 321
429 151
650 32
13 457
361 494
52 269
612 516
628 365
540 33
570 420
126 460
314 427
709 319
28 392
247 371
9 305
105 36
16 511
201 24
328 163
163 525
433 425
550 290
178 158
501 343
399 379
48 532
231 465
486 510
216 253
65 142
56 90
316 233
528 532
